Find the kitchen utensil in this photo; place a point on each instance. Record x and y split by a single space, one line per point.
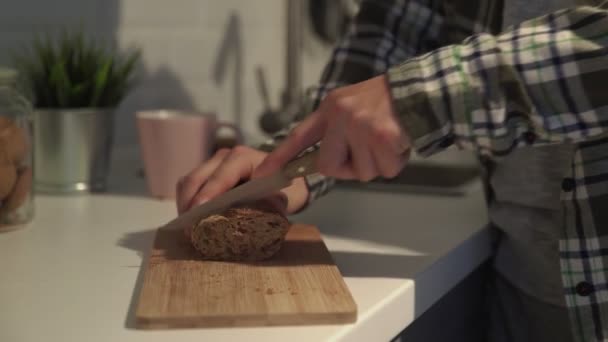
173 143
299 285
270 120
252 190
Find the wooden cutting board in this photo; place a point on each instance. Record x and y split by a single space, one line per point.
299 285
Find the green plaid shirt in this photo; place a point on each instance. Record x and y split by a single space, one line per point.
465 83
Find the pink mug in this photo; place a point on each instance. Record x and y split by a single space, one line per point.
173 143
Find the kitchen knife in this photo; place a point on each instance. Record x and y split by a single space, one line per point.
250 191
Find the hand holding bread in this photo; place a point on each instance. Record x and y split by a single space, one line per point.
226 169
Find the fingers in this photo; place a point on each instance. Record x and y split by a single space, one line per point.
297 195
306 134
374 151
391 150
389 164
237 166
190 184
334 152
278 202
346 149
392 137
291 199
363 162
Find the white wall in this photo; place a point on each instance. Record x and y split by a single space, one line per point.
191 50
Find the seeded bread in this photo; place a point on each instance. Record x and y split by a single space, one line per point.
247 233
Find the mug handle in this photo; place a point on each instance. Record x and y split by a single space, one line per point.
238 134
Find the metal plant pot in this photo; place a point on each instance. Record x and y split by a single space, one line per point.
72 149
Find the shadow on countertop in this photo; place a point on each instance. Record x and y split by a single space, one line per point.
141 243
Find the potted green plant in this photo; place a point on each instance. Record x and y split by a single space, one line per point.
76 85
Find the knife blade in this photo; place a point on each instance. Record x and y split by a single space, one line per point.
250 191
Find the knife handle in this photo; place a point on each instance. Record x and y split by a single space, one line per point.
302 166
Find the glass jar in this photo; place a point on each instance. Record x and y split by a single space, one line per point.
16 157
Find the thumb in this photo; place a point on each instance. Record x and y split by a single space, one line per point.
306 134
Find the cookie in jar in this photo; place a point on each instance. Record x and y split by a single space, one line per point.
16 188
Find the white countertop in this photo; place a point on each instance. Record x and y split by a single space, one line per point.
74 273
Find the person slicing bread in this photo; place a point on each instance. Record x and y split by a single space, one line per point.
527 97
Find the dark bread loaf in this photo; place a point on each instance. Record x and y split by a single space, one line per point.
245 233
